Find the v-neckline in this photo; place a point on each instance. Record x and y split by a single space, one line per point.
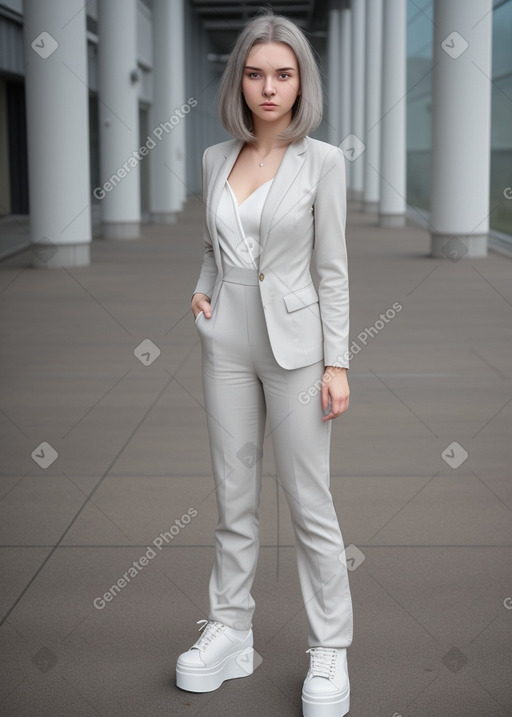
250 195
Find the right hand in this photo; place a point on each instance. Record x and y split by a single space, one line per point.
201 302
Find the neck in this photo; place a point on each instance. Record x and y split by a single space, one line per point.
266 133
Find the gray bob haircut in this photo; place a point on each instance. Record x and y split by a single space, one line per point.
234 113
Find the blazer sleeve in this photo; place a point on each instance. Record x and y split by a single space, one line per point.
330 258
208 273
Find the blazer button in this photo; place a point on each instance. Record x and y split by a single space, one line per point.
261 277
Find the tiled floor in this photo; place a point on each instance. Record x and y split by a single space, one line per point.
433 538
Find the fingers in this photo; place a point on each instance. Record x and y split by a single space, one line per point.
206 307
337 408
201 304
339 402
335 393
325 397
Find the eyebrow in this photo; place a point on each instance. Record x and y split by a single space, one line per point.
280 69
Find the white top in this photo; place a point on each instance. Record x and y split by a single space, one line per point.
239 226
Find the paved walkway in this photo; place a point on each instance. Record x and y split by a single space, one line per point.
421 476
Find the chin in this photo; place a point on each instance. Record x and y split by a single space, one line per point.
269 116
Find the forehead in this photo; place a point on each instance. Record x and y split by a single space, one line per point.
271 54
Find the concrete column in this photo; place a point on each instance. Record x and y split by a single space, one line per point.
373 60
333 50
118 85
461 121
58 132
357 93
5 189
169 113
346 82
180 99
393 138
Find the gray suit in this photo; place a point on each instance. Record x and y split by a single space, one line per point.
263 354
304 210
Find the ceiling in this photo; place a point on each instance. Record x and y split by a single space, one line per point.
224 19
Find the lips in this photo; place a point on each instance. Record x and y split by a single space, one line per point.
268 104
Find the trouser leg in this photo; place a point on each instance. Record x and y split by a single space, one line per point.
301 444
235 414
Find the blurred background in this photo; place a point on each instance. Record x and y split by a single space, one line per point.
85 86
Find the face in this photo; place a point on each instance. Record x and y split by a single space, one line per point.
271 81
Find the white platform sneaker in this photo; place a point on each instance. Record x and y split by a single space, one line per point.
326 689
221 653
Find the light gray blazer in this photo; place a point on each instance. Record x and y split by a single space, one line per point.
302 225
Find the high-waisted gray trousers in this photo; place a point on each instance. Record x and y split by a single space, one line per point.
242 383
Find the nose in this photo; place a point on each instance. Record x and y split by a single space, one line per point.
268 88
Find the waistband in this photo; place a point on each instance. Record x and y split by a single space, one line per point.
241 275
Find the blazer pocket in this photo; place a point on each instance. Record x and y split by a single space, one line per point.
301 298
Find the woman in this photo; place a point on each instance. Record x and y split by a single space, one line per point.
272 344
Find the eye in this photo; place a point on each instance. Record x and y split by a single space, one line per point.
252 75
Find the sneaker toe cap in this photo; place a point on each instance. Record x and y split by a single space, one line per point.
191 658
320 686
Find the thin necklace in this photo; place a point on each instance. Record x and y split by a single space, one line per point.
261 161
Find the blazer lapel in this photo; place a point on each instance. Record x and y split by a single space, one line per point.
217 185
291 163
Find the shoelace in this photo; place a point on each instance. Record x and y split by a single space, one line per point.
210 631
323 661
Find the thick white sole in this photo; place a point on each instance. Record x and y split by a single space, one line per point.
207 679
328 706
